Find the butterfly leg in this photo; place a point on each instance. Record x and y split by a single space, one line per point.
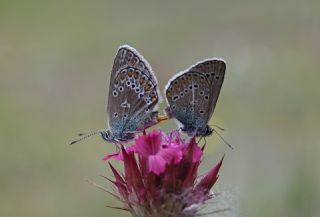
200 139
117 146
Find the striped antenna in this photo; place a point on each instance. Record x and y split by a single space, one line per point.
85 135
225 142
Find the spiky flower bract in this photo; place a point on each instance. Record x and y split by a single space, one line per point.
160 177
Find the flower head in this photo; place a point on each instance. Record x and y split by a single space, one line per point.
157 154
160 176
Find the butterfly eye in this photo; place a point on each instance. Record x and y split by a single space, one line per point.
115 93
196 86
217 77
121 89
206 97
115 114
201 92
201 112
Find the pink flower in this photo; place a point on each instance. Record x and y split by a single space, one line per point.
160 176
158 154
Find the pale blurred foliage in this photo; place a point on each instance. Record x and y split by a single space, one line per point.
55 61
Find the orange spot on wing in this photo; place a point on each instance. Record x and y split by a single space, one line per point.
154 98
122 76
136 75
142 80
175 89
147 87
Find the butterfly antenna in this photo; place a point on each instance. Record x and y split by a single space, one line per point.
84 136
216 126
225 142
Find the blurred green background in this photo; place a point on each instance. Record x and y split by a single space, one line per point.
55 63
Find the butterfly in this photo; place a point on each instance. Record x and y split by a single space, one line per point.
192 96
133 97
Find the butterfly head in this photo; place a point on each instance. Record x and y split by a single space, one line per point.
106 135
198 132
206 131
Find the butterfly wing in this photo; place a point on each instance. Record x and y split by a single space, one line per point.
214 71
193 93
132 95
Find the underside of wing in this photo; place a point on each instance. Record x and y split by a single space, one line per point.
193 93
132 94
214 71
127 56
188 98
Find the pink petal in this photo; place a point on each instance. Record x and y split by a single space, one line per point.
197 154
171 154
131 170
156 164
210 178
112 155
148 144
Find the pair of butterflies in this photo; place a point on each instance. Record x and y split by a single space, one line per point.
191 96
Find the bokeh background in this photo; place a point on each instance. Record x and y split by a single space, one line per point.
55 63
